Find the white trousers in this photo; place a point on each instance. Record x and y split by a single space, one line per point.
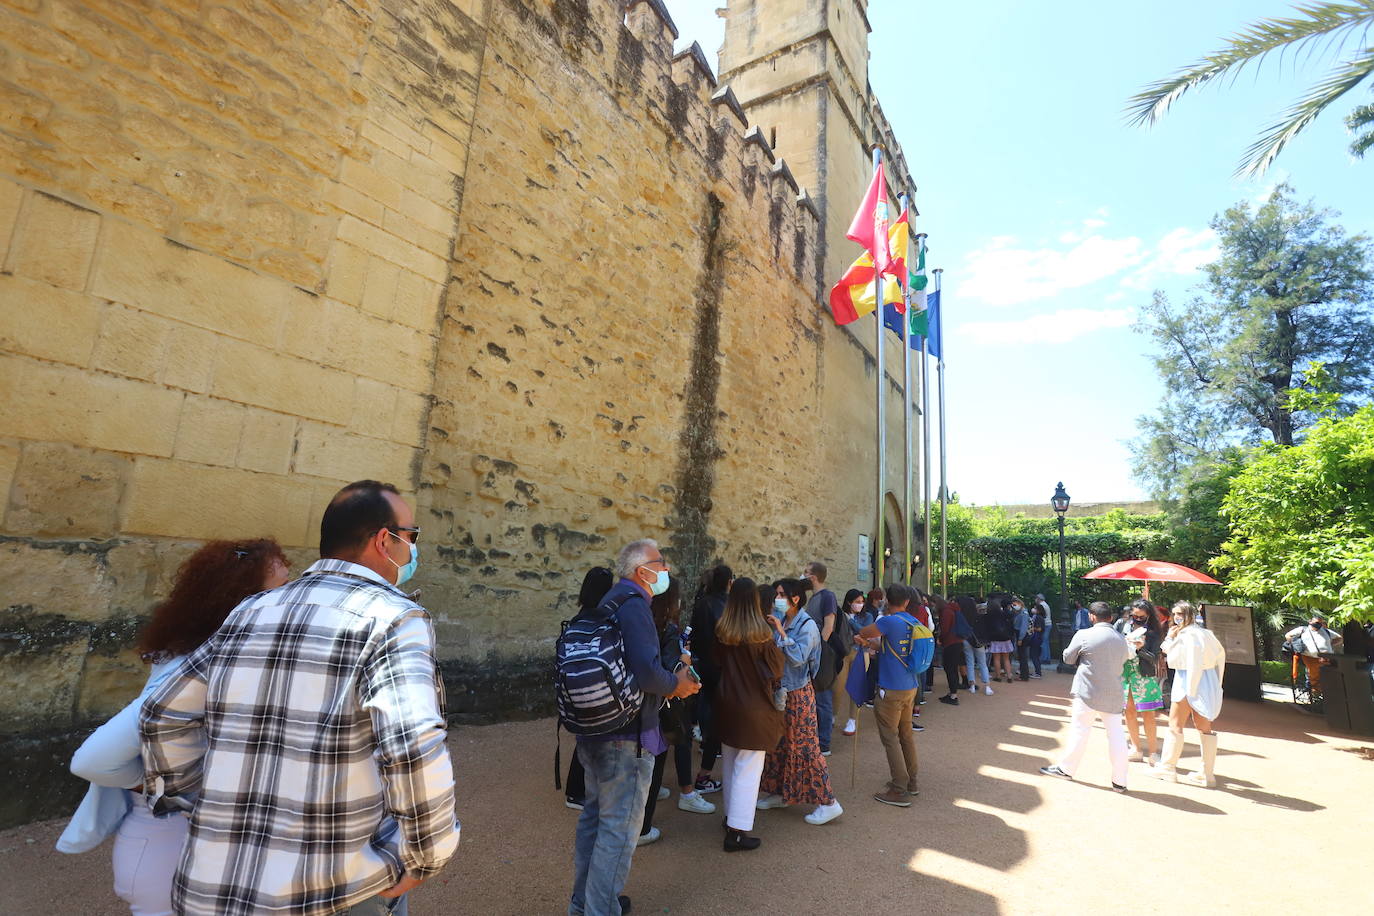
1080 725
147 851
740 775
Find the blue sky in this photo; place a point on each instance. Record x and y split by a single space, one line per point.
1055 221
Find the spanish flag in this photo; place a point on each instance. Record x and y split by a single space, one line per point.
852 297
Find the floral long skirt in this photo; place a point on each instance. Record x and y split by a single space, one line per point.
1146 691
796 770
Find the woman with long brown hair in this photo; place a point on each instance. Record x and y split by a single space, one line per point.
210 584
750 723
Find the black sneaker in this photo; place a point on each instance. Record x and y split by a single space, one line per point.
952 701
1120 790
917 727
624 905
1055 771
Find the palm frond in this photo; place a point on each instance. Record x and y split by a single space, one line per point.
1254 42
1262 152
1361 144
1360 116
1359 120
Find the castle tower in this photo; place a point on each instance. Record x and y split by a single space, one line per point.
800 70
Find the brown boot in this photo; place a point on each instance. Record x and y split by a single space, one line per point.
895 797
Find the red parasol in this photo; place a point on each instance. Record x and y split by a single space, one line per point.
1148 571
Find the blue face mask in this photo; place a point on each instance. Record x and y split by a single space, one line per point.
403 573
780 606
660 583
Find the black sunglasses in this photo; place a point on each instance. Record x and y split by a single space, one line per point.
414 532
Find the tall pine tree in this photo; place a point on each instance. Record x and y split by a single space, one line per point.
1289 289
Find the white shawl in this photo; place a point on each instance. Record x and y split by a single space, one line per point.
1193 651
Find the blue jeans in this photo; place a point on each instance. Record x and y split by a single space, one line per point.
617 785
825 716
974 656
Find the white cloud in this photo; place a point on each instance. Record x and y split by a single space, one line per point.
1180 253
1054 327
1005 273
1002 274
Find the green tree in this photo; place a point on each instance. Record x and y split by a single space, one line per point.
1302 521
1290 289
1335 24
1195 520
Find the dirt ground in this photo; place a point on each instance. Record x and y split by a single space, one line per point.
988 835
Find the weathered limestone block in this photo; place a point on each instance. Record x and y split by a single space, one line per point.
40 670
64 579
62 490
112 676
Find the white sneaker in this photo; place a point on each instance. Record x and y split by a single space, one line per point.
1135 757
695 803
664 792
987 688
770 801
1198 778
653 836
850 727
696 733
824 814
1154 759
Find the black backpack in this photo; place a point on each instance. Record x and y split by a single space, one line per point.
833 653
595 689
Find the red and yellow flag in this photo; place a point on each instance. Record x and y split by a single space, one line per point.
852 297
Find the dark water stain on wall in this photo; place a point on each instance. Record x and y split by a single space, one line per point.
698 450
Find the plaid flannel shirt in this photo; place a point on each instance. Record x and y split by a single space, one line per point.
306 739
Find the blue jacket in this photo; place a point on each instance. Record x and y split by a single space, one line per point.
1022 623
641 652
801 645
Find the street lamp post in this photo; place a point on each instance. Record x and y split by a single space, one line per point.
1060 502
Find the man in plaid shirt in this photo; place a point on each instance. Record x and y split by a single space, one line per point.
306 737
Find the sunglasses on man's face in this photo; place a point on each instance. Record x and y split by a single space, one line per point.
412 531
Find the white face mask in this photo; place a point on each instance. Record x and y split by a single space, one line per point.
856 607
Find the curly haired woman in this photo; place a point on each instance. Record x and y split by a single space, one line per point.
210 584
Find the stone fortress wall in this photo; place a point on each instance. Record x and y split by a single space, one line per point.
515 256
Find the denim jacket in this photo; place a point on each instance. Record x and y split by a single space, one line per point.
801 645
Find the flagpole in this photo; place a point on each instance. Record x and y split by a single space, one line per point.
910 411
881 373
925 441
944 488
906 410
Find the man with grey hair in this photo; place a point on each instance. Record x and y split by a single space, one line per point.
619 766
1100 652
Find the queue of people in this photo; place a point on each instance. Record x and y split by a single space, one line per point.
313 709
764 666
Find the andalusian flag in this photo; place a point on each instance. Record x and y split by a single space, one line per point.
852 297
917 280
